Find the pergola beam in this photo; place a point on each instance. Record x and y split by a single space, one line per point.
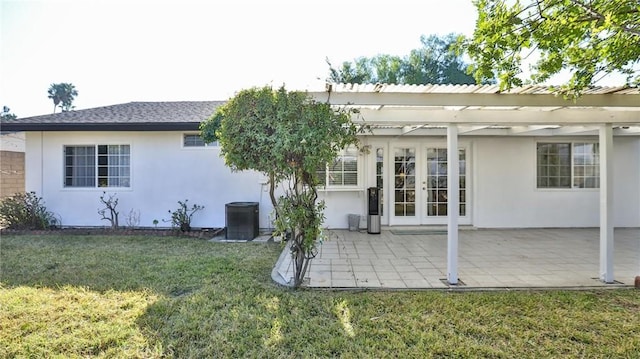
542 130
472 99
468 129
408 129
415 116
527 129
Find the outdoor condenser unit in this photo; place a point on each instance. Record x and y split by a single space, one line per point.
242 220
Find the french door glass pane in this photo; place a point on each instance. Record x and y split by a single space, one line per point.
437 181
404 182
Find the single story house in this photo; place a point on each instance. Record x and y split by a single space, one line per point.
524 158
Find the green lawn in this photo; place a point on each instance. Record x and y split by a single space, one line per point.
148 297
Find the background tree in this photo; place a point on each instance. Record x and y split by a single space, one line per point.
287 136
63 95
6 114
589 38
438 61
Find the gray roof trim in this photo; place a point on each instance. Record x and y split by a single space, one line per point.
132 116
140 126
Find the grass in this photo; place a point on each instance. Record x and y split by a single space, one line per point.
152 297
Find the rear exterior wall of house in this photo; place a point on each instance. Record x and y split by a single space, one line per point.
156 172
159 169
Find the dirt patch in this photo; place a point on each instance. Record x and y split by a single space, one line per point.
204 233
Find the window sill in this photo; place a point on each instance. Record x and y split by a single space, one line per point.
568 189
339 189
192 148
97 189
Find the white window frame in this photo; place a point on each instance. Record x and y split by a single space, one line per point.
184 135
97 166
573 176
338 187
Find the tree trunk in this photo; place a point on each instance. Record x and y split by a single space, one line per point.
272 195
299 254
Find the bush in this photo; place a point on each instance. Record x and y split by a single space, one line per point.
181 218
25 211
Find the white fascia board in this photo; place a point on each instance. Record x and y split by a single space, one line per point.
408 117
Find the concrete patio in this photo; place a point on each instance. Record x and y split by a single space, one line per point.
416 258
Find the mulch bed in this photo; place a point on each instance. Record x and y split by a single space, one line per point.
204 233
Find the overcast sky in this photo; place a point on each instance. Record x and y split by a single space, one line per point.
123 51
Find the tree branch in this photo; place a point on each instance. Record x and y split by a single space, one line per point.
598 16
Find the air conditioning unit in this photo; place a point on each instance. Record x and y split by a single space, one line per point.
242 220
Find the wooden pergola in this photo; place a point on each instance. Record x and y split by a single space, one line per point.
459 110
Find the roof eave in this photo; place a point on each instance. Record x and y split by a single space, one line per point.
138 126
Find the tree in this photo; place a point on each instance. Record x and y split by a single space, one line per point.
589 38
6 114
62 95
287 136
438 61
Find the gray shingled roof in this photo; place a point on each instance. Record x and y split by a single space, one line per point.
132 116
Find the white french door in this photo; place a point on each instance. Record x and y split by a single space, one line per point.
418 184
434 186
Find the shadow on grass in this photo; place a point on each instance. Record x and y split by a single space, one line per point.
171 266
217 300
189 279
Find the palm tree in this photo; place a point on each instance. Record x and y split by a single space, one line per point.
62 95
6 114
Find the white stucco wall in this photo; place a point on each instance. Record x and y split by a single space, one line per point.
162 173
503 189
505 193
342 203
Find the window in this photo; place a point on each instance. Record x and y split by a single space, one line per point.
80 166
101 166
194 140
586 165
343 172
567 165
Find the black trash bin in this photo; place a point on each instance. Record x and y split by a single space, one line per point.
241 220
373 218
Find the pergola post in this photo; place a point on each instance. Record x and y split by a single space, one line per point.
606 203
453 203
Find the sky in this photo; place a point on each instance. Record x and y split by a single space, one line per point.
123 51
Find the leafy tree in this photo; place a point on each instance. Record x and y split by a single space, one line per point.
287 136
360 71
438 61
6 114
589 38
62 95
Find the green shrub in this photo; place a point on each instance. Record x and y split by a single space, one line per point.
181 218
25 211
